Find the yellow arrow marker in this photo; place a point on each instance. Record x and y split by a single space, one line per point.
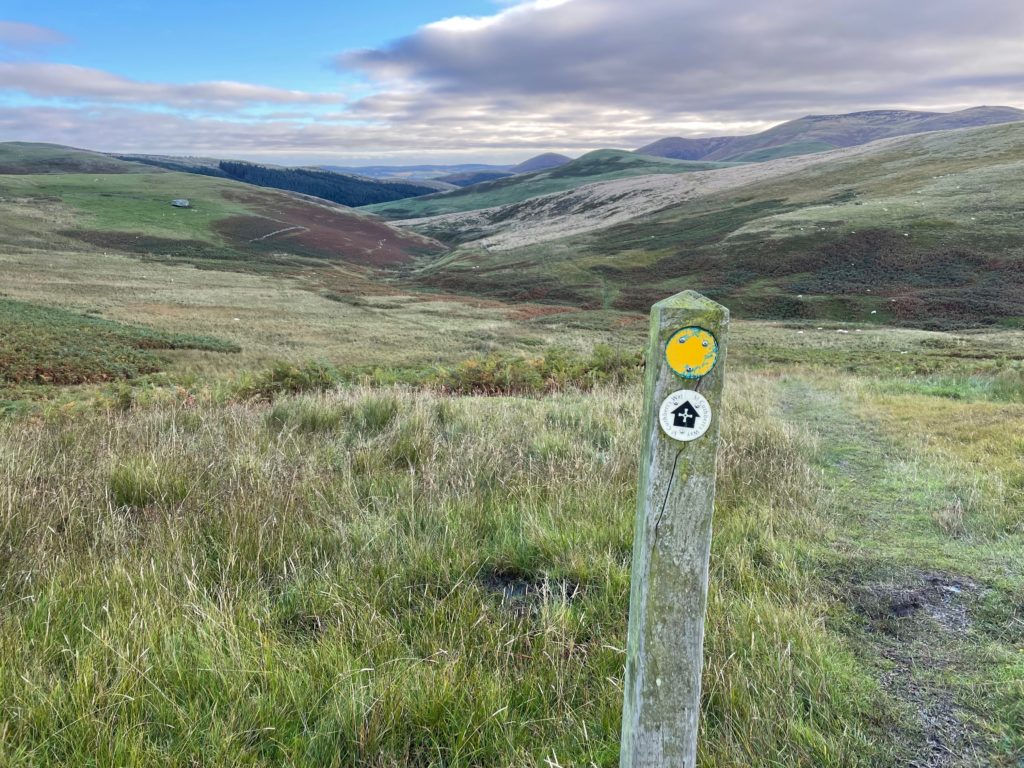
691 352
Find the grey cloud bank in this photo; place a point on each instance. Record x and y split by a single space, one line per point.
707 61
564 75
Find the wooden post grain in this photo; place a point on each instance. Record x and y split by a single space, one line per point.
671 546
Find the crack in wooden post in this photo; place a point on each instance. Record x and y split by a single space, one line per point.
672 541
664 502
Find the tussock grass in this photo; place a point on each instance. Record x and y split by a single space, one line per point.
556 369
977 445
390 577
1005 384
138 484
288 378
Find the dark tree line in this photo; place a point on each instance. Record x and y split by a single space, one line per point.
336 187
327 185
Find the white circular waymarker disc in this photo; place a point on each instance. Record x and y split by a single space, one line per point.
685 415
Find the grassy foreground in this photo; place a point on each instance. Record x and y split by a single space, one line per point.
391 578
386 577
394 577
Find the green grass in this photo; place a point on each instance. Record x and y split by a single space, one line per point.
928 560
45 345
418 581
135 202
17 157
392 576
252 559
368 326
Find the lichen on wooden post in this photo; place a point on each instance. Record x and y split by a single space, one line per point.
672 541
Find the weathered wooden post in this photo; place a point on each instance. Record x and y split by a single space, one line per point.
672 542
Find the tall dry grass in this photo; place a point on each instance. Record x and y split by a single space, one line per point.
382 577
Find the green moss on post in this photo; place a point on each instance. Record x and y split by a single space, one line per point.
672 542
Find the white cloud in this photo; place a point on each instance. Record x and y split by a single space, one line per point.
459 24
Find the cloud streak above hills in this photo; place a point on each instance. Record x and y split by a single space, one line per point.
550 74
85 84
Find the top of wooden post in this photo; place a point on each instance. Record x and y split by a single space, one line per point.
692 302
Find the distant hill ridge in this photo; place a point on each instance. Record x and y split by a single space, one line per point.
599 165
916 230
817 133
33 158
455 174
541 163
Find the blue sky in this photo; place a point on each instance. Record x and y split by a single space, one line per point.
480 80
288 45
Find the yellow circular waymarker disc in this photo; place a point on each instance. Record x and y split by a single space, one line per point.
691 352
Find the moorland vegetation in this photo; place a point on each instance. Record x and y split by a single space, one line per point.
285 501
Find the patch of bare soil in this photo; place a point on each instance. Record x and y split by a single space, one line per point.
523 593
917 623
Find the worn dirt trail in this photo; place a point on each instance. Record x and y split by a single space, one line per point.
917 620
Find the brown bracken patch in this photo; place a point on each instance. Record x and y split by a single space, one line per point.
319 230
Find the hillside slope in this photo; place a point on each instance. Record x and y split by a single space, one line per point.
817 133
123 206
921 230
601 165
24 158
602 204
412 172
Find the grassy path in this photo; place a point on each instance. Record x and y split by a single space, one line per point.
936 617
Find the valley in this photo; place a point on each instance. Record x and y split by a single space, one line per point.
918 230
288 482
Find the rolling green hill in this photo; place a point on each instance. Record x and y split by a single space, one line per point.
22 157
229 539
62 199
600 165
922 230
